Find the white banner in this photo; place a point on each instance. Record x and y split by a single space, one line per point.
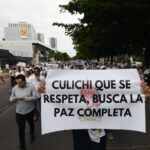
85 99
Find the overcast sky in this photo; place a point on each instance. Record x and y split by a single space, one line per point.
41 14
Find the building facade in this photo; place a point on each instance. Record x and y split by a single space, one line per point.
20 31
22 41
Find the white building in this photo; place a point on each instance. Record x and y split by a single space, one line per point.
18 48
20 31
28 48
22 40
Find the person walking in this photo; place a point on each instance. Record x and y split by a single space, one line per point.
35 81
19 71
24 95
12 72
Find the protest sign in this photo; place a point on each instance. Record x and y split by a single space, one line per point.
85 99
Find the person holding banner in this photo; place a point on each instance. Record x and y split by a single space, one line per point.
145 89
24 95
92 139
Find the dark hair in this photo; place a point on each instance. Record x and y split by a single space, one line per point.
31 71
21 76
36 68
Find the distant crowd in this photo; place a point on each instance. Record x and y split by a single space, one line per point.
28 70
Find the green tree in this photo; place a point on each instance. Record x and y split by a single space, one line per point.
60 56
109 28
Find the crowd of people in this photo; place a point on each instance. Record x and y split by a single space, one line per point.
28 84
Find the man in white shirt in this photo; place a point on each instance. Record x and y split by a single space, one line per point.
35 81
19 71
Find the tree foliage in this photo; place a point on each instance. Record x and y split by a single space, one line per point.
109 27
59 55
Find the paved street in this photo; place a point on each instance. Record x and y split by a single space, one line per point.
123 140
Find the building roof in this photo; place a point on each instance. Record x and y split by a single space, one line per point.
36 42
5 53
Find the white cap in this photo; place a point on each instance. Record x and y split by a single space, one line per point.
103 67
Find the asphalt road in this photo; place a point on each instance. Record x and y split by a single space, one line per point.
123 140
9 133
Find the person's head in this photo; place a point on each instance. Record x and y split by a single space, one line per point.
28 66
21 80
27 72
37 71
31 71
19 69
61 66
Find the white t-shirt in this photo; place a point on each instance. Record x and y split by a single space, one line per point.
36 82
96 135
